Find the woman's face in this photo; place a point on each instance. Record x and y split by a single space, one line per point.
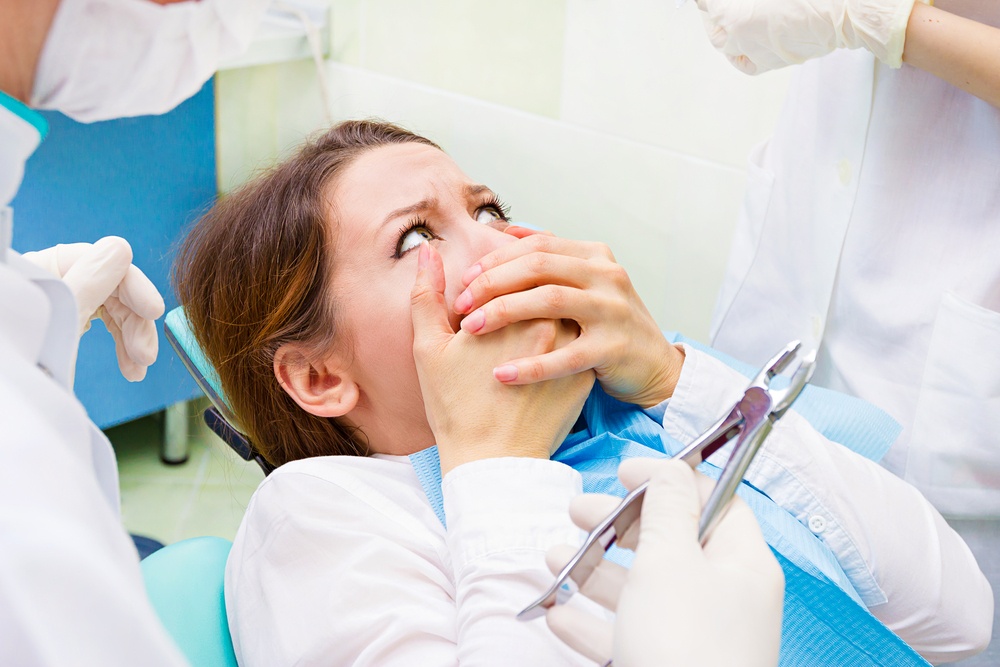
383 205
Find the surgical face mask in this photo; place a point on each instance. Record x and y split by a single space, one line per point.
116 58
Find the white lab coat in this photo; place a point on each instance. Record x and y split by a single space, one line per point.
71 592
871 229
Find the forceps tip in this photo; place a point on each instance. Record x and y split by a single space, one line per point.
783 358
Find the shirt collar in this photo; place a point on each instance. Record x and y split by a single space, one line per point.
25 113
21 130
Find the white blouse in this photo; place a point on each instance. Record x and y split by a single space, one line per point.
341 560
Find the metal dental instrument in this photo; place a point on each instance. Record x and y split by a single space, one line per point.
749 421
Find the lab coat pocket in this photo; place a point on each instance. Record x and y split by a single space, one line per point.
954 455
746 238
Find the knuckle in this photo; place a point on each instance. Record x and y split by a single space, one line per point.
554 297
421 349
420 293
482 285
498 311
538 263
603 251
576 360
618 276
543 334
534 369
541 242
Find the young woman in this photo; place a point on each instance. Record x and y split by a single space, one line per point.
364 301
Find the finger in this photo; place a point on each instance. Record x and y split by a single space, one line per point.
118 311
583 632
737 537
140 294
536 243
574 358
596 578
548 302
139 337
96 274
58 259
743 64
520 231
523 273
132 371
671 510
589 509
558 556
736 543
717 35
635 471
428 310
138 334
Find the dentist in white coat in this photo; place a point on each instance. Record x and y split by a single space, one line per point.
71 592
871 228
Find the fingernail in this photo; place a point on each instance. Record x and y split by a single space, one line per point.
505 373
474 322
463 302
471 273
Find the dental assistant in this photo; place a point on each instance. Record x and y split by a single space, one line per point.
70 587
871 227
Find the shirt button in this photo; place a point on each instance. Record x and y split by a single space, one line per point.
844 172
817 524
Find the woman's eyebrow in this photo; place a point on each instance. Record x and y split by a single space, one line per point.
473 190
422 205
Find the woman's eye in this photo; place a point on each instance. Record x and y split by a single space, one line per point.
488 214
413 238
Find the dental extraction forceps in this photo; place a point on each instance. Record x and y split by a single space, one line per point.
749 421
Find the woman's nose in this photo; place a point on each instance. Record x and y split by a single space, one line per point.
481 241
488 239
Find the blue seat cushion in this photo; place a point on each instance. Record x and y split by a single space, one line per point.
185 584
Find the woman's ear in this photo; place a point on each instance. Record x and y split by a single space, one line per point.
320 388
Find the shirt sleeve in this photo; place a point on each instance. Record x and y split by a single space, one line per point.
912 570
503 515
343 570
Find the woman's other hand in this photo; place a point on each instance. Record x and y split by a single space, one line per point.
472 416
543 276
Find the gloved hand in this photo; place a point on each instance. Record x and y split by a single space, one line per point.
107 285
761 35
680 604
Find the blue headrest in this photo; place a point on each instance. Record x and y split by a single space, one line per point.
179 334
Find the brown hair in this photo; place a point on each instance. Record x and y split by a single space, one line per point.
255 273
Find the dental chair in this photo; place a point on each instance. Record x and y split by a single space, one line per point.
185 580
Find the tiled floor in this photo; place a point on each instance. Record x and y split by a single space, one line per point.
207 495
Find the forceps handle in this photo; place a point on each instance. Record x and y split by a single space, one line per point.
756 409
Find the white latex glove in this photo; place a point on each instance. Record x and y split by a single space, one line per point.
761 35
107 285
680 604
